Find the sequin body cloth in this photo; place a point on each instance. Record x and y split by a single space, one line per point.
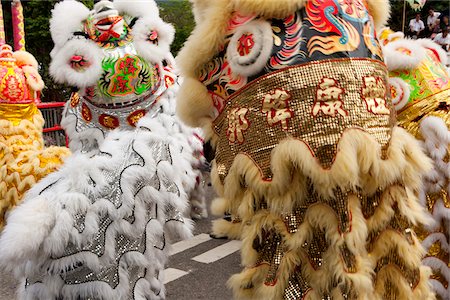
306 157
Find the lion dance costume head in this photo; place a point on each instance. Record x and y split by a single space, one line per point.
24 160
119 60
320 183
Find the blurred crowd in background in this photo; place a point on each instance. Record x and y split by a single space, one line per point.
435 27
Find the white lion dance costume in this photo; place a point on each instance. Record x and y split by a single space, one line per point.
309 162
100 227
23 158
420 87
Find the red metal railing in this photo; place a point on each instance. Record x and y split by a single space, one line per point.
53 132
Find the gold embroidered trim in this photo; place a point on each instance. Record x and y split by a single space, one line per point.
410 117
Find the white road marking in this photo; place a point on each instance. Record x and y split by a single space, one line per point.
218 252
187 244
171 274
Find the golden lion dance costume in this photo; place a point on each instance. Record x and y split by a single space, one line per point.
420 87
23 158
100 227
308 161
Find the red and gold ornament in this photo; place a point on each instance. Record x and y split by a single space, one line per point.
108 121
86 112
135 116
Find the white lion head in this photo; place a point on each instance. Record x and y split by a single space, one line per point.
114 53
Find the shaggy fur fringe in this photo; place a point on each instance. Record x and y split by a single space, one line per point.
24 160
148 50
62 26
40 229
137 8
118 202
358 165
436 140
62 71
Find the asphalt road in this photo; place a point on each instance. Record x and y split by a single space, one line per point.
199 268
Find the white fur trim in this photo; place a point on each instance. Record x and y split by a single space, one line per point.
170 60
442 55
34 80
104 9
436 136
137 8
397 34
42 227
396 60
436 142
436 237
255 61
67 18
62 71
149 51
88 137
38 214
439 265
25 58
403 92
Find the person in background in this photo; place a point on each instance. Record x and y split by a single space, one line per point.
416 26
443 39
432 23
444 23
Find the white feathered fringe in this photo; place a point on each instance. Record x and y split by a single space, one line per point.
436 142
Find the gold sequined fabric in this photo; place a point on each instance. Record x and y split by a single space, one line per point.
273 250
410 117
317 103
17 112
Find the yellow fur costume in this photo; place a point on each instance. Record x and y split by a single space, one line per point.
321 186
23 158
